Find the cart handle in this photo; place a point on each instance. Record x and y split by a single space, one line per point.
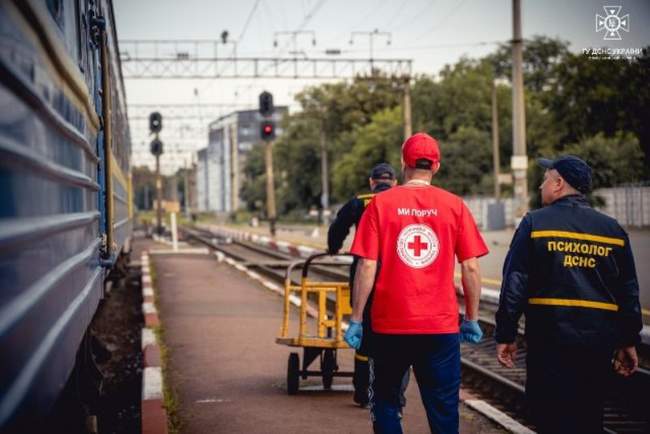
305 269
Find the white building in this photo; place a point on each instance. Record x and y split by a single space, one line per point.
230 138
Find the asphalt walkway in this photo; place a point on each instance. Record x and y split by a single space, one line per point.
228 372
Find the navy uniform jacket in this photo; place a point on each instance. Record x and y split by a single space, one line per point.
570 270
348 216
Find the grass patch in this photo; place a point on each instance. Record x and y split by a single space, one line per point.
170 396
154 282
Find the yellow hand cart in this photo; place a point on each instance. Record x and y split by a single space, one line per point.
322 338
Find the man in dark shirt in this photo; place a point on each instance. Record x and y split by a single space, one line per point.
570 270
382 177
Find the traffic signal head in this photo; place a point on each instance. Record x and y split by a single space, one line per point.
267 130
266 104
155 122
156 147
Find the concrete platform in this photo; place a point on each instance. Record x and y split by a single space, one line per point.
228 372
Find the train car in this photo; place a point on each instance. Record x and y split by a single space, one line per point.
65 192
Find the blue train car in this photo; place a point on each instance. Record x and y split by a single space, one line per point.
65 193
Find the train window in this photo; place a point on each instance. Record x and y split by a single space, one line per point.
56 10
81 35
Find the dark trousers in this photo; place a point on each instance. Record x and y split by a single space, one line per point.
436 363
361 377
565 388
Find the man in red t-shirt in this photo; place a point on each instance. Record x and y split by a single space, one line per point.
416 231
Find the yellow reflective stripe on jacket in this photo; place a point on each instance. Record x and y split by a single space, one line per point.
360 357
574 303
578 236
366 198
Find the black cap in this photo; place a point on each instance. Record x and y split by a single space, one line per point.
383 171
574 170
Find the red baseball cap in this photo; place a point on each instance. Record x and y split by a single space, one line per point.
420 146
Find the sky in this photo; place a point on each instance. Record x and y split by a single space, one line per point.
432 33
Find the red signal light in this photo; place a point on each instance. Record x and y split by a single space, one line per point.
267 130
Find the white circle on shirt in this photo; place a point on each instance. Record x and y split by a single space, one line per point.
417 245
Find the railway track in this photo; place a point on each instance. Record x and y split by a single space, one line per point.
625 410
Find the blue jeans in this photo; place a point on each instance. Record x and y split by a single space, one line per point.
436 364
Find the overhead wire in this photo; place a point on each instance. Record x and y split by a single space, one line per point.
396 15
412 19
439 24
307 18
248 20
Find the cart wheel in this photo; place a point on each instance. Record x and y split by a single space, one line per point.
328 366
293 372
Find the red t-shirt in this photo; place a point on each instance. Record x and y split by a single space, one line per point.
415 231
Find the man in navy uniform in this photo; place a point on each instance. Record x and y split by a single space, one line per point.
570 270
382 177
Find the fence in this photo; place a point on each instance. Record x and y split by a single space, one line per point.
630 205
479 208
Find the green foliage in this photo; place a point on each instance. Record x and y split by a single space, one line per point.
597 109
614 160
377 142
466 161
253 190
540 58
462 97
339 109
606 95
297 163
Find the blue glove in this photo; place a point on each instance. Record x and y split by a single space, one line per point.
354 334
470 332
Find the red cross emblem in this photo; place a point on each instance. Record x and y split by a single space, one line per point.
417 246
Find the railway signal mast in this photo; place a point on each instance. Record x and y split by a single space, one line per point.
156 147
267 134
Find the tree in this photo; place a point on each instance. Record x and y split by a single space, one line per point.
540 58
466 162
377 142
253 189
614 160
605 95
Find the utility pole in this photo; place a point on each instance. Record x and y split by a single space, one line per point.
270 189
495 142
325 196
186 190
408 123
159 229
234 165
519 162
